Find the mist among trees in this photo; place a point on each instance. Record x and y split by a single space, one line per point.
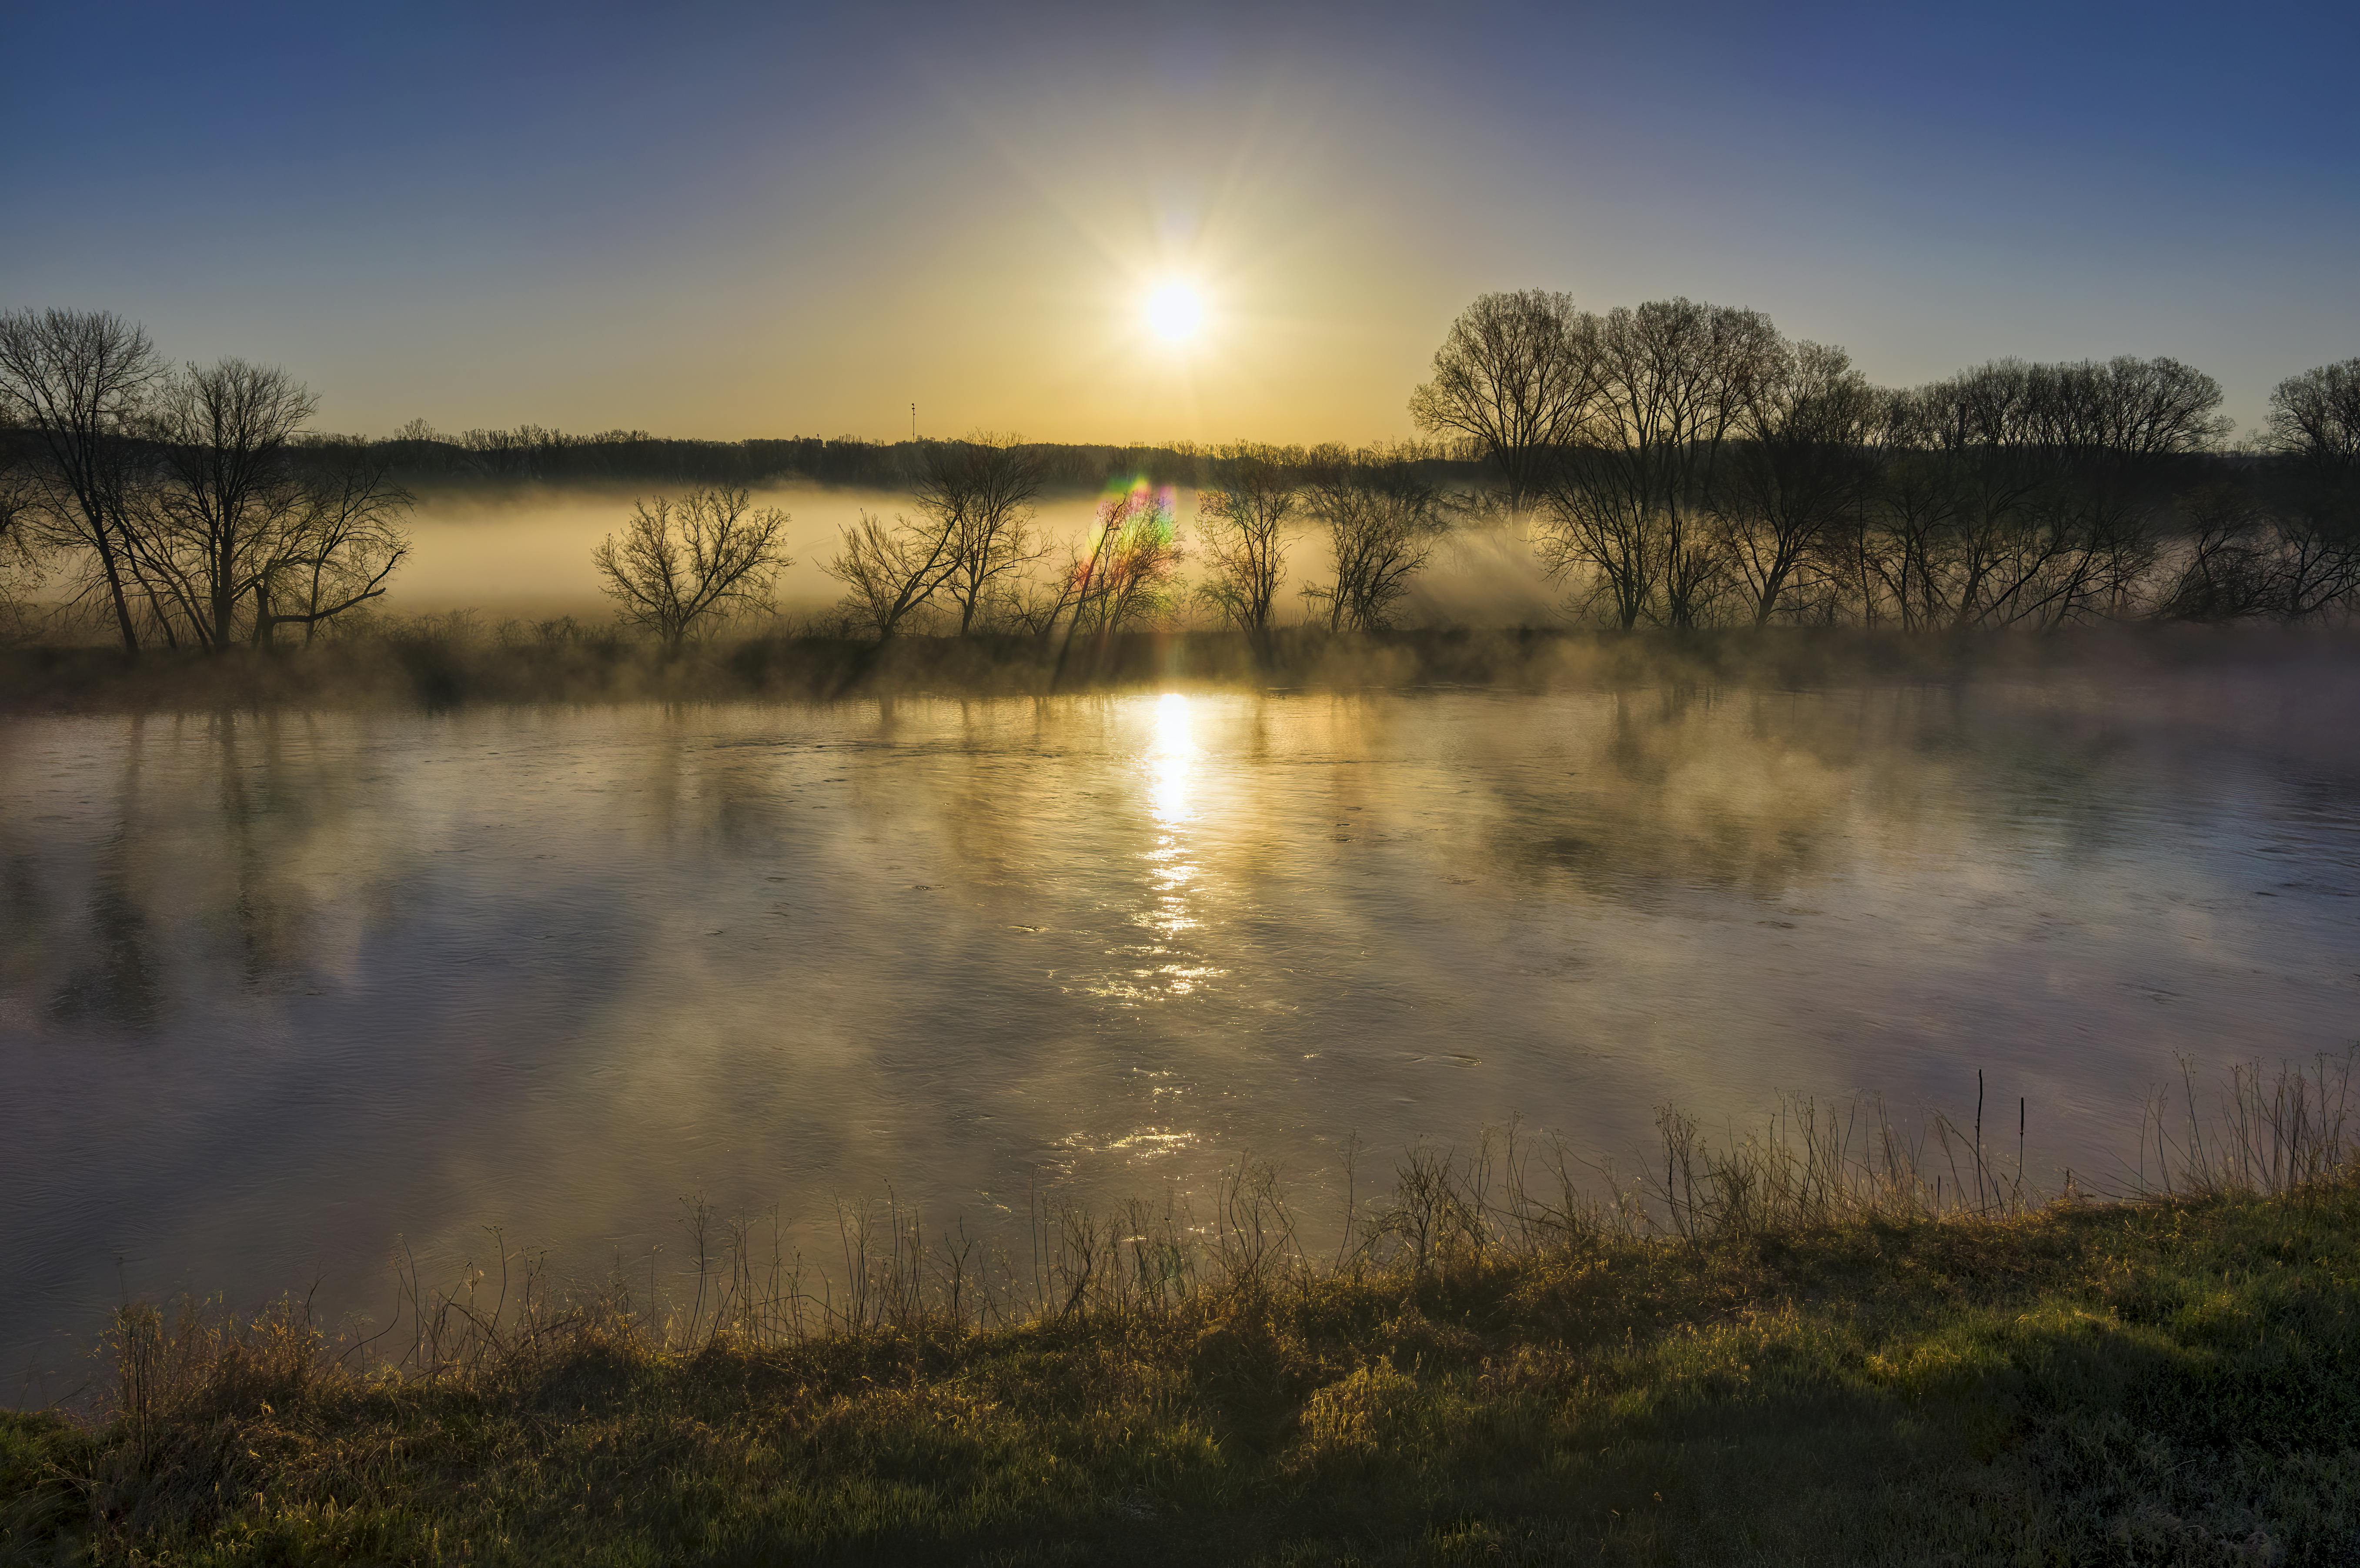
1671 464
1683 466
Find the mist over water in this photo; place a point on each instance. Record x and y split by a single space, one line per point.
277 990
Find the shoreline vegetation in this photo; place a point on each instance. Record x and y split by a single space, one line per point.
1819 1341
1675 466
444 662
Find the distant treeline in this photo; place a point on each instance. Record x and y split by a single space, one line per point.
1671 464
536 454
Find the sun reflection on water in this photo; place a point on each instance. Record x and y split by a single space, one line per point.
1171 760
1171 767
1160 968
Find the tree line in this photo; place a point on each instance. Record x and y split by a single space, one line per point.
1684 464
966 556
1673 464
537 454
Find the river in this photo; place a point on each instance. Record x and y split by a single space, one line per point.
280 992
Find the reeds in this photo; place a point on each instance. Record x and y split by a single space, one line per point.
2272 1133
1510 1201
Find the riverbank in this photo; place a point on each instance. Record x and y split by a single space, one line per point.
448 662
2151 1382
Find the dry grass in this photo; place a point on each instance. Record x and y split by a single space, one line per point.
1822 1342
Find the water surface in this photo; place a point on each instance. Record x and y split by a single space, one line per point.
279 990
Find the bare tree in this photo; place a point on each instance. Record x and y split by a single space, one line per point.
1242 519
1800 469
891 572
20 567
218 524
1628 504
1384 521
2121 433
2314 566
339 548
982 490
678 565
2314 435
1123 573
2226 565
2316 416
80 381
1036 606
1979 493
1135 552
968 542
2144 407
2034 494
17 493
1517 375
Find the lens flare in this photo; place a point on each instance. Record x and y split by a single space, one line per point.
1174 312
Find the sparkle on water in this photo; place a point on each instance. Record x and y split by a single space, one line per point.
277 988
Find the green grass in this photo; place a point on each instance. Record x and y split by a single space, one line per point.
2156 1382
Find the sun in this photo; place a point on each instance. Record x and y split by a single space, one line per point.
1174 312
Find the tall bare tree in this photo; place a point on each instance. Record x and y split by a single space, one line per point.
969 542
1135 554
2034 494
2316 416
1517 374
892 571
678 565
220 520
1800 468
338 550
1629 505
1384 521
1123 573
2314 434
17 493
19 562
81 380
2120 434
1243 517
1971 493
2226 567
982 489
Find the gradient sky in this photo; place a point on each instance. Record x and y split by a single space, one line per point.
770 220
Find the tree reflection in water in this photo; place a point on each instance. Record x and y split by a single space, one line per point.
275 988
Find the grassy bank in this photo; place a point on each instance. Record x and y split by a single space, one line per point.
1783 1353
2170 1382
445 662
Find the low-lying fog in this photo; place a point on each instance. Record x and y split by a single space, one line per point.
525 554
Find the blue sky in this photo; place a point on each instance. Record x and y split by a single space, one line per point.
729 220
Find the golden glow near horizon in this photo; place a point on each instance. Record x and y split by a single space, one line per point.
1175 311
1209 298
